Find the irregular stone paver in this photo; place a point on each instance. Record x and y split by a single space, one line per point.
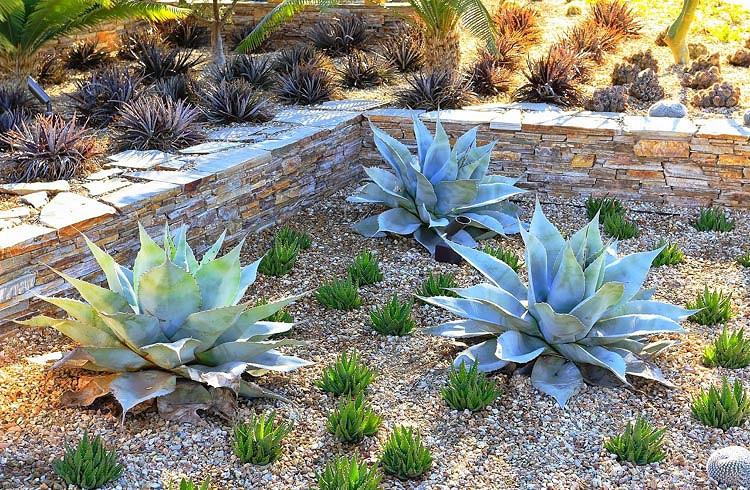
68 208
658 126
20 234
22 189
19 212
287 138
105 174
36 199
507 121
140 159
318 119
99 187
391 113
349 105
168 176
174 164
217 162
6 223
209 147
523 106
460 116
136 192
237 133
722 128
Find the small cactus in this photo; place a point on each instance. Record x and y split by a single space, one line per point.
608 99
646 86
719 95
703 78
740 58
730 466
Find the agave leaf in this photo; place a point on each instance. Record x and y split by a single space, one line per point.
470 309
462 237
149 256
251 390
397 156
103 300
488 194
183 403
487 221
170 294
648 307
172 354
587 242
399 221
423 137
656 347
85 334
630 270
180 257
437 156
460 154
425 192
96 387
513 346
263 330
568 285
80 311
452 194
246 327
213 251
241 351
372 193
130 389
225 375
494 269
369 227
116 278
478 161
388 184
102 359
594 275
134 330
536 264
428 238
483 354
219 280
208 325
592 308
548 235
458 329
274 360
556 377
642 368
558 328
631 326
598 356
493 294
247 277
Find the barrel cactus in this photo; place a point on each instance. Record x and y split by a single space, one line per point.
428 191
583 317
172 328
730 466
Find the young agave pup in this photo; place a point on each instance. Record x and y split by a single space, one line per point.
430 190
582 317
172 329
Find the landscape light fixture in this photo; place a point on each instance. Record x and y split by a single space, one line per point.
38 92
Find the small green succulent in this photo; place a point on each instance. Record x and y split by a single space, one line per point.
404 455
722 408
713 219
348 376
714 307
280 259
509 257
744 260
339 294
393 318
468 389
438 285
259 441
192 485
365 269
604 206
620 227
352 420
348 474
670 254
640 443
288 236
279 316
89 464
728 351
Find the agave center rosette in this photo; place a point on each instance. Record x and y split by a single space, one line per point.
582 317
427 192
172 327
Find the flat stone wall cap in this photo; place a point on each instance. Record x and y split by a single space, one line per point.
104 174
236 133
209 147
67 209
534 107
533 121
137 192
17 212
722 128
319 119
24 188
393 113
99 187
22 233
141 159
459 116
217 162
169 176
659 126
36 199
507 121
358 105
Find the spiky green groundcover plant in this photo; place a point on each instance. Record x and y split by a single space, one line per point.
259 441
348 474
731 351
89 464
393 318
352 420
713 307
724 408
713 219
339 294
468 389
437 285
427 192
288 236
192 485
365 269
507 256
620 227
348 376
670 254
604 206
169 318
404 455
282 315
280 259
582 318
640 443
744 260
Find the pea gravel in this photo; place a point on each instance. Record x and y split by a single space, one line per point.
522 441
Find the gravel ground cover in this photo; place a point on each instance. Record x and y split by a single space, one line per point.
523 440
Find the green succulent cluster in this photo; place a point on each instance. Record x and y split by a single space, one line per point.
507 256
348 376
744 260
189 484
713 219
603 207
352 420
339 294
280 259
89 464
288 236
348 474
279 316
365 269
259 441
722 408
171 328
393 318
404 455
713 307
468 389
640 443
730 351
437 285
670 254
619 226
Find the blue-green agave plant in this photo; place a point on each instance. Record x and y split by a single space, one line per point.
428 191
582 317
172 328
